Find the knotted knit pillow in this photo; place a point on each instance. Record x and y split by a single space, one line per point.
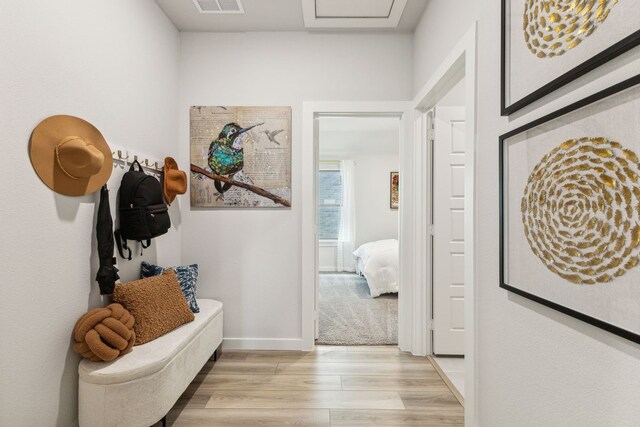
103 334
157 304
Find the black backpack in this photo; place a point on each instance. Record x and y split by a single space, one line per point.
143 212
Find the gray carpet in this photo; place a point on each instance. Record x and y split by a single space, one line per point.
349 316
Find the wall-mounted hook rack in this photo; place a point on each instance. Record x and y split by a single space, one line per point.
121 157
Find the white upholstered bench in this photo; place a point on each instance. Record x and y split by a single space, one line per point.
139 388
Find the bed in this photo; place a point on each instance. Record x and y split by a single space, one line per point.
378 263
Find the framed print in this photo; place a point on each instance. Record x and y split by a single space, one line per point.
394 190
240 157
547 44
570 210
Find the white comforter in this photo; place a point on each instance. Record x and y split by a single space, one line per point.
378 262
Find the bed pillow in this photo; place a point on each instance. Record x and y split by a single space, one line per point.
187 276
156 303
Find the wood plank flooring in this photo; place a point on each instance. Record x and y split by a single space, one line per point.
332 386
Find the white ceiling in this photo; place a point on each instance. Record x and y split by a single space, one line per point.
343 136
272 15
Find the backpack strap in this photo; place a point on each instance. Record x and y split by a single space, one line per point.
120 244
133 164
144 244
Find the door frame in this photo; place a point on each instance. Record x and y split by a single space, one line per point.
311 111
460 63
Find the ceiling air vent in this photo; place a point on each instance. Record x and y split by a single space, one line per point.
219 6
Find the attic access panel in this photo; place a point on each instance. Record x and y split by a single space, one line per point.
353 13
353 9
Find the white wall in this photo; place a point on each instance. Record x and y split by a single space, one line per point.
375 220
443 23
251 259
535 366
113 63
328 257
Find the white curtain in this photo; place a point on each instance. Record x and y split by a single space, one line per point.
347 235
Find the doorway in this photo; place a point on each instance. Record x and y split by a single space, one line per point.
457 70
312 112
357 229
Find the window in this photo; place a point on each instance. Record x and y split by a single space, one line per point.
329 204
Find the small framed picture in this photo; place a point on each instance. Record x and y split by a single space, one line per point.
547 44
570 210
394 187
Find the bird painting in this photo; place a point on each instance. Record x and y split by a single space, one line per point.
226 153
272 135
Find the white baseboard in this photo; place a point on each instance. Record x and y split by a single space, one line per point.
262 344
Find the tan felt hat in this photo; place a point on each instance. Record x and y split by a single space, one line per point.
70 155
175 180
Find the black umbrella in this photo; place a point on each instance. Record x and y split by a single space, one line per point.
108 272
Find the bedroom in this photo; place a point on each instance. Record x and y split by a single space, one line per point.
357 223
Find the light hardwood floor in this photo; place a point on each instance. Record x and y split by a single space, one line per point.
332 386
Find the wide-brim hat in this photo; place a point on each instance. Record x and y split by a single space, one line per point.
175 180
70 155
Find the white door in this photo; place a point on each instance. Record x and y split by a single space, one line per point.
448 231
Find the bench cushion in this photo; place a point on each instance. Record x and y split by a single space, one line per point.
153 356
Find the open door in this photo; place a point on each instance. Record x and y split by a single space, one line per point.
448 231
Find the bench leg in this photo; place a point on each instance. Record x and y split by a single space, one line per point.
164 421
216 354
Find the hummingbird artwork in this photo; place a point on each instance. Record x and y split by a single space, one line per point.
226 153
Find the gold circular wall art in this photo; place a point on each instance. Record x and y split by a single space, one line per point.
581 210
553 27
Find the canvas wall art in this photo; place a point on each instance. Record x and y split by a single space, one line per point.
240 157
547 44
570 210
394 186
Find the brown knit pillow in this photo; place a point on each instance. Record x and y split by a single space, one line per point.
157 303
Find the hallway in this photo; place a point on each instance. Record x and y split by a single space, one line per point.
331 386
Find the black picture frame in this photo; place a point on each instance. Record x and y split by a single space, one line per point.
624 333
592 63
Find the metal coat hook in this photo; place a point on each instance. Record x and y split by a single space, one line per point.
123 157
